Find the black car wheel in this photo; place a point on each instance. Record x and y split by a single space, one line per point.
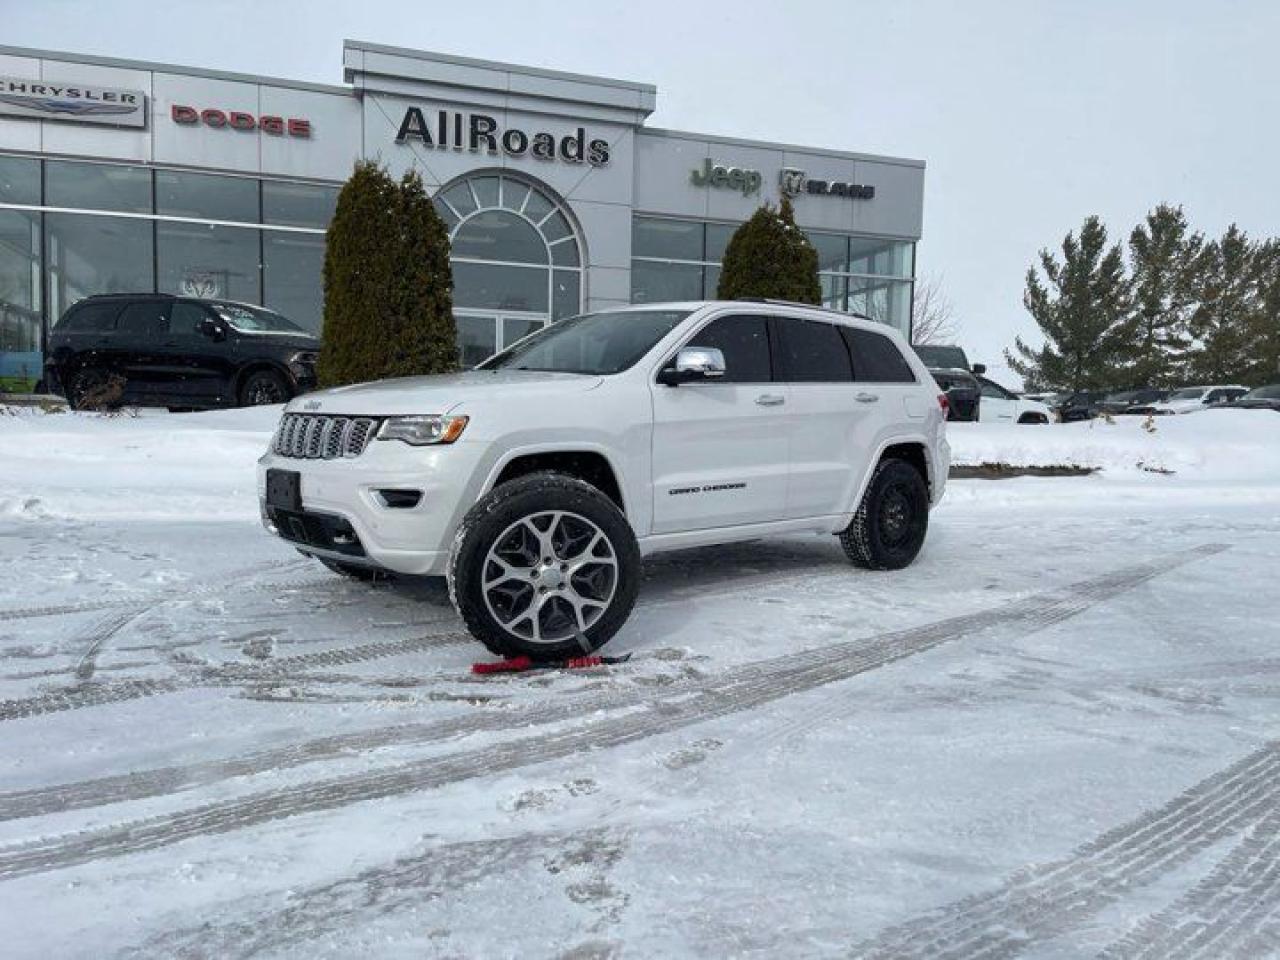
545 566
889 528
263 387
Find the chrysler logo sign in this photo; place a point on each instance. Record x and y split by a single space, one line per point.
79 102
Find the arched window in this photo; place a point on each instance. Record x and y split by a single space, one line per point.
517 261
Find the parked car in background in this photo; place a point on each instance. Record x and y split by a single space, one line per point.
949 367
1126 400
1191 399
178 352
963 393
1263 398
1004 406
1081 405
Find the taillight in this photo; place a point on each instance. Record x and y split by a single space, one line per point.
945 403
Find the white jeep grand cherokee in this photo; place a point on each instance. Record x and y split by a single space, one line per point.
538 480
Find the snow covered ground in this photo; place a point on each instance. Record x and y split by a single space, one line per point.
1054 736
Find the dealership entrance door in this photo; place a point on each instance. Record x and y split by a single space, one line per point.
481 334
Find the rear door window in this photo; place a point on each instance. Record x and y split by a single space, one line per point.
185 318
90 317
812 352
875 357
744 341
144 318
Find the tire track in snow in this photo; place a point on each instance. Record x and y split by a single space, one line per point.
407 883
743 689
1043 902
229 674
1226 914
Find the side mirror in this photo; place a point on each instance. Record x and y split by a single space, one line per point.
979 369
694 363
212 329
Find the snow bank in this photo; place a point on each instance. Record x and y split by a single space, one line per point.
1228 446
156 465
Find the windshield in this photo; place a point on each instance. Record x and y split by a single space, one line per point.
1194 393
1264 393
594 343
950 358
255 319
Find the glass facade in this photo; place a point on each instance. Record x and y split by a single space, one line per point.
517 261
70 229
676 259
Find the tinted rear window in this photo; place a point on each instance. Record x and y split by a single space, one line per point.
875 358
813 352
90 317
145 317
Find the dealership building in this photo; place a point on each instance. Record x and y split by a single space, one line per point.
129 176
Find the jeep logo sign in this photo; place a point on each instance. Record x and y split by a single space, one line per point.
731 178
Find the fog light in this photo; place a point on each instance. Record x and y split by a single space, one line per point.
400 499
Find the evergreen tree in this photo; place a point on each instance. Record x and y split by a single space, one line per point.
387 282
1264 323
1228 298
769 256
1164 259
1081 312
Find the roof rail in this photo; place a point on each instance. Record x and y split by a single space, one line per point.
808 306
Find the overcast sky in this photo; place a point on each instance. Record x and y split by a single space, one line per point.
1030 115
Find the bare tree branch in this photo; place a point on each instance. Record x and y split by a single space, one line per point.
933 318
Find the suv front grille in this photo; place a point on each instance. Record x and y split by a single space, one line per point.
305 436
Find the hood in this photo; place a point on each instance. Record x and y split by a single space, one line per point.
441 393
288 340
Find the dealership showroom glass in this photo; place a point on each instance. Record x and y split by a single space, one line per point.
120 176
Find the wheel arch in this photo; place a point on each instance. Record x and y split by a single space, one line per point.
589 463
254 366
913 449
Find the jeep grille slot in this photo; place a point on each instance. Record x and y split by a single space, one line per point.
304 436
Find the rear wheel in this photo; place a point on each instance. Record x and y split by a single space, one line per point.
263 387
545 566
889 528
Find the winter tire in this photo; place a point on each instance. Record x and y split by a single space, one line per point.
354 570
263 387
545 566
889 528
89 389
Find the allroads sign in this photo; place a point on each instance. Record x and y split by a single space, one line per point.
78 102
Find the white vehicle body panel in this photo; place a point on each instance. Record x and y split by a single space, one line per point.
696 464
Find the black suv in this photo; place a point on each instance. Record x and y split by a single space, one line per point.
177 352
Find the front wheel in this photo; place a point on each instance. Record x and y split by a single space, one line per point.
545 566
889 528
263 387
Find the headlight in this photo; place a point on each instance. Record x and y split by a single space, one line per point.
305 358
421 431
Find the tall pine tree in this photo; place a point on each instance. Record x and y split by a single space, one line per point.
1263 326
1228 297
769 256
388 287
1164 258
1081 308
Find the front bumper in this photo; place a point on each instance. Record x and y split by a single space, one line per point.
345 516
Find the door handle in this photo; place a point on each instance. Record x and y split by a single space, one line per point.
867 397
771 400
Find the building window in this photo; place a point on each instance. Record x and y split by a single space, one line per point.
87 254
21 361
680 260
516 257
293 276
206 197
97 186
207 260
298 204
